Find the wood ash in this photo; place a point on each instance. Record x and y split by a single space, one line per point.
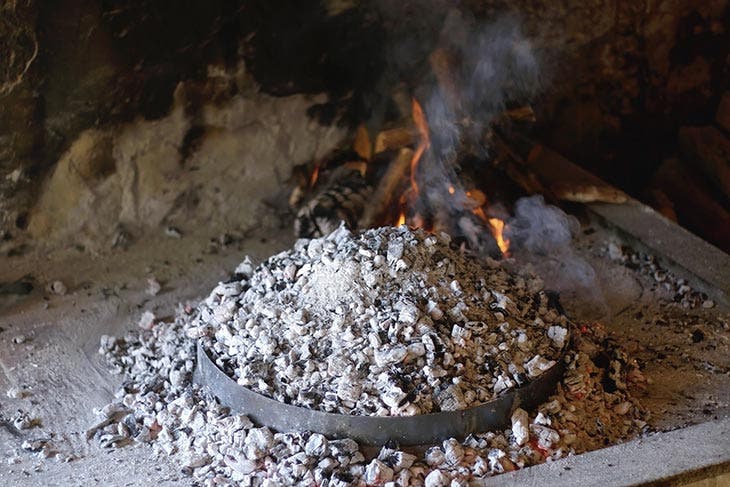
159 405
390 322
677 289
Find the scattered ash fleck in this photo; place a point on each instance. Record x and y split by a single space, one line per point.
678 289
159 405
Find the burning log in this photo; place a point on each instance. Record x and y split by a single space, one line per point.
386 193
394 139
362 145
569 182
515 167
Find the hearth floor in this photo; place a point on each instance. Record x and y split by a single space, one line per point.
66 378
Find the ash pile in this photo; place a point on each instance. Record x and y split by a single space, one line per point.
390 322
159 405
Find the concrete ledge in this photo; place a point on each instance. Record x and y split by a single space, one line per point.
672 458
705 266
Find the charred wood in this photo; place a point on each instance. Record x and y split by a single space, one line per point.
569 182
342 199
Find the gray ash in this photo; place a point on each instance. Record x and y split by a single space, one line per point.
159 405
390 322
677 289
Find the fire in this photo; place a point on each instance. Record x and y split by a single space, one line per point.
424 141
476 200
498 232
314 176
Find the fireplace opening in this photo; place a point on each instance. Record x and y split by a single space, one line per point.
364 243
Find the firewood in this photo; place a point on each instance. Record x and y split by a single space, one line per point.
443 67
362 145
710 150
569 182
521 114
343 198
693 200
508 158
394 139
661 203
387 190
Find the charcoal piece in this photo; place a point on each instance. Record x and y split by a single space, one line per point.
342 199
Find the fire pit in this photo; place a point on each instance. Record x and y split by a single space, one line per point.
416 327
147 150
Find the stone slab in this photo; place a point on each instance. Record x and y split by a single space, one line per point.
672 458
706 267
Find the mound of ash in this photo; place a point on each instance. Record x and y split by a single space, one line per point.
390 322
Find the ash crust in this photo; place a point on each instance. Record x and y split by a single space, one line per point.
390 322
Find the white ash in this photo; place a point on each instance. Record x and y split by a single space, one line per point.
147 320
153 286
22 420
678 289
17 393
57 287
159 405
391 322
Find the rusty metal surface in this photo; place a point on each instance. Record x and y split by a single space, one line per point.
374 430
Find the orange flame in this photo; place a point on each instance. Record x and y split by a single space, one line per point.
401 220
424 141
498 232
314 176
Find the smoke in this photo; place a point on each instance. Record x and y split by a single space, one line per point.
494 64
542 235
489 66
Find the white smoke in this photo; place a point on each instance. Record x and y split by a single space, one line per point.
542 235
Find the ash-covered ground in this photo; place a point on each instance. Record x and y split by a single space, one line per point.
254 323
649 363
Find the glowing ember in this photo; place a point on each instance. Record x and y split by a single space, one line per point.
401 220
497 230
451 190
314 176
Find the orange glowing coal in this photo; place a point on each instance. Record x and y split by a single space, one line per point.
497 228
314 176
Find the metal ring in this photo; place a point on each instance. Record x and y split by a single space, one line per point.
374 430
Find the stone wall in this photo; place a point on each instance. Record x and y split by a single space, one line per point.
111 98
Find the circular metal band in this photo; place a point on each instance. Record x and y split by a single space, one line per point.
374 430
